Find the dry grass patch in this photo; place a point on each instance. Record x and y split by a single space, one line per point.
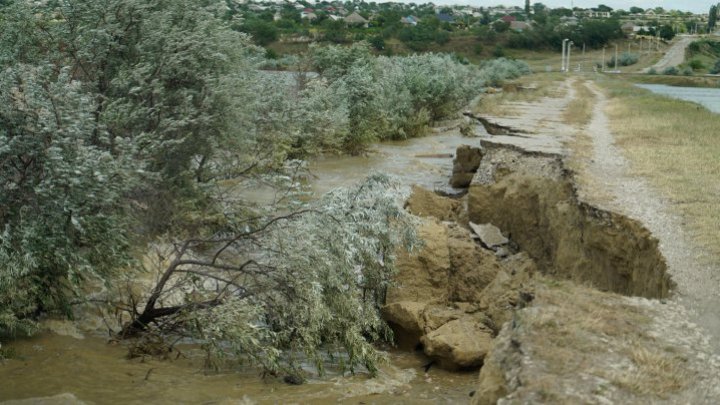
675 145
526 90
653 373
574 330
580 110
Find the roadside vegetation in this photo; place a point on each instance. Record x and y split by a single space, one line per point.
672 143
580 110
703 56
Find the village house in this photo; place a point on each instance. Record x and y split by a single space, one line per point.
520 26
356 19
308 14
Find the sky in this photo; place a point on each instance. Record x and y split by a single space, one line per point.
696 6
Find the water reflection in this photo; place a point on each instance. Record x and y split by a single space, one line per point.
707 97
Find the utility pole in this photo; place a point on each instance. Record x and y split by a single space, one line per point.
564 45
568 54
602 68
616 57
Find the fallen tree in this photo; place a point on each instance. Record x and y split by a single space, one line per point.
307 284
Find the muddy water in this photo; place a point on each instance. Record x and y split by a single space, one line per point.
94 371
97 372
421 161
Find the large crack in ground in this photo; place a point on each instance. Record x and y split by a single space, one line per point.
547 325
532 197
579 345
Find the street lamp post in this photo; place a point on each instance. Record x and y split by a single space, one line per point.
616 57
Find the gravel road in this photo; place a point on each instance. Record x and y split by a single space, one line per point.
674 56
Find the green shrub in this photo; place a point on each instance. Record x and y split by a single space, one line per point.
716 68
625 59
672 70
499 52
696 64
377 42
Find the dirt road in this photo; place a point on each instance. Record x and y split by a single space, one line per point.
674 56
687 324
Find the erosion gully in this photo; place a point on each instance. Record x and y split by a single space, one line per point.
77 362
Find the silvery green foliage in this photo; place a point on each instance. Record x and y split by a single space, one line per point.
60 207
495 71
103 103
312 291
397 97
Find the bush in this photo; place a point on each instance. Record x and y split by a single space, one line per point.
696 64
671 71
397 97
652 71
716 68
687 71
377 42
499 52
262 32
625 59
495 71
442 37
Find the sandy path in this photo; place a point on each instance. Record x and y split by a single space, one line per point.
690 319
674 56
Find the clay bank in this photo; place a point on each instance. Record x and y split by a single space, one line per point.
549 296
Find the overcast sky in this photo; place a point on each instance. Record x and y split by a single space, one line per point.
696 6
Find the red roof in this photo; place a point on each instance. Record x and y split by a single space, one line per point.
508 18
308 10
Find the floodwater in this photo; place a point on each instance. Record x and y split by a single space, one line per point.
425 161
94 371
88 369
707 97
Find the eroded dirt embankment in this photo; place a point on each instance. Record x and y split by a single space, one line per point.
532 197
454 296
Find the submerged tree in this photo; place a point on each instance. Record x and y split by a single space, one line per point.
278 289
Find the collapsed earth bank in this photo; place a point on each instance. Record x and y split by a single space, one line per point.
464 300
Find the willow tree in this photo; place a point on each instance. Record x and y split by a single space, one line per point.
114 108
106 105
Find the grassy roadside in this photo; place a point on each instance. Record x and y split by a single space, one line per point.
674 144
579 111
684 81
